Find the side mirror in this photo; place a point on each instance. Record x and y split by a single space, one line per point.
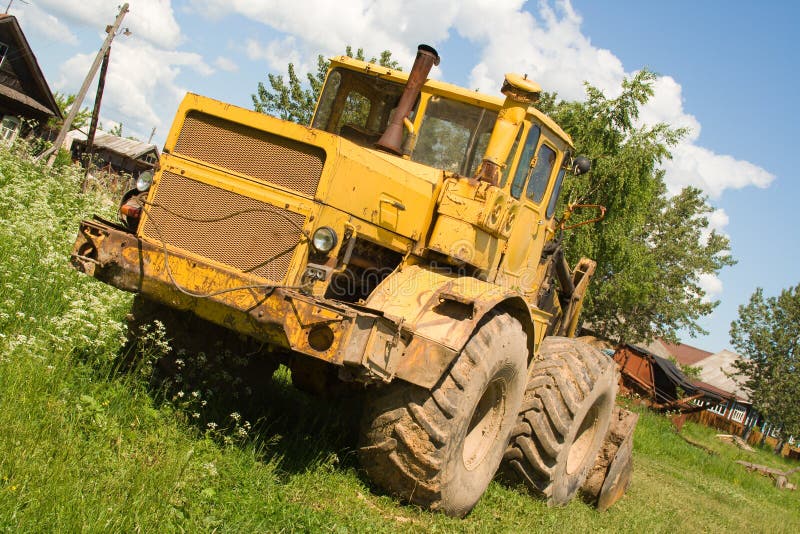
581 165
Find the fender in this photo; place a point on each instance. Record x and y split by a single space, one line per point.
446 308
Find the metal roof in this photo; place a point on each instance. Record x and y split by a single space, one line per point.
686 354
715 370
130 148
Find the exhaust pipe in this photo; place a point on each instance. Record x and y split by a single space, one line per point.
520 93
392 138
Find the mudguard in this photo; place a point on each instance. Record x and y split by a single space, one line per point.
441 306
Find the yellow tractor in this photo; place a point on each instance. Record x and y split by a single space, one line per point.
405 241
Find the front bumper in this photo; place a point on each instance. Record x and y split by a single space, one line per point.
372 346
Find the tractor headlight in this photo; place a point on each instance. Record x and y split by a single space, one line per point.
324 239
144 181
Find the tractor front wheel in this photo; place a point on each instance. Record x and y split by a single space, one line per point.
440 448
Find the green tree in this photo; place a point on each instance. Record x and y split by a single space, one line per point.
651 249
767 336
116 130
291 100
64 103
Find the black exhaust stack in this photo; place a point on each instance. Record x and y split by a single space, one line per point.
392 138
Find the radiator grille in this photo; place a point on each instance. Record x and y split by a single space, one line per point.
246 234
266 157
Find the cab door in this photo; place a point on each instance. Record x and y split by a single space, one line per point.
530 184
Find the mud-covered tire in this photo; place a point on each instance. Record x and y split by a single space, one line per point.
566 412
440 448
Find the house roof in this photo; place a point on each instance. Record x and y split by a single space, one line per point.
43 101
658 348
130 148
721 392
716 369
685 354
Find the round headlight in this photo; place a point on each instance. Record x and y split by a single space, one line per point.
324 239
144 181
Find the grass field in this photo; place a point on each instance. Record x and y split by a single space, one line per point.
85 446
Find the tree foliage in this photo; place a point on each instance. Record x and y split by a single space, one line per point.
64 103
766 334
291 100
651 249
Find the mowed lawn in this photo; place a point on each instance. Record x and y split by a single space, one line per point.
89 444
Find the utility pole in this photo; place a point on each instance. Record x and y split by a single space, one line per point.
150 140
112 31
101 83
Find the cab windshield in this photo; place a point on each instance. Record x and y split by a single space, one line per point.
452 135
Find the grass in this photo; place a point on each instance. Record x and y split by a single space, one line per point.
87 447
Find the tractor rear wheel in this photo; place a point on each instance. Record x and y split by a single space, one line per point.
440 448
565 415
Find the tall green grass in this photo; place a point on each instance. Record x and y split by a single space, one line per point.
89 445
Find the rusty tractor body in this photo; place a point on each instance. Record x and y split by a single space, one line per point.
406 240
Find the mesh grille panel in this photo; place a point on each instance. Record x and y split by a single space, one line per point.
241 232
261 155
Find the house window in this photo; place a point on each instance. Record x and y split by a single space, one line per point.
737 415
3 52
720 408
751 418
9 128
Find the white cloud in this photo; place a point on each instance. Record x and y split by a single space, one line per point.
692 164
711 172
718 220
324 27
712 286
278 53
225 64
551 48
31 17
150 20
666 105
142 88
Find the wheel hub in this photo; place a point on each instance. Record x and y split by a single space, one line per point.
485 424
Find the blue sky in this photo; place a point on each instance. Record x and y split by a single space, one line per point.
726 72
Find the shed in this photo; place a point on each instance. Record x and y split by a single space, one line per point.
120 154
660 382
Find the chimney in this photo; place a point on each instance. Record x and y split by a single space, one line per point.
392 138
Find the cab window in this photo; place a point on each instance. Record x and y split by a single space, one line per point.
453 135
551 206
510 159
356 106
525 161
540 176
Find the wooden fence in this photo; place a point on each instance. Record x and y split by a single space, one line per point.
731 427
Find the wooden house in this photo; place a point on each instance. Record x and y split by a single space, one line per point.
24 93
